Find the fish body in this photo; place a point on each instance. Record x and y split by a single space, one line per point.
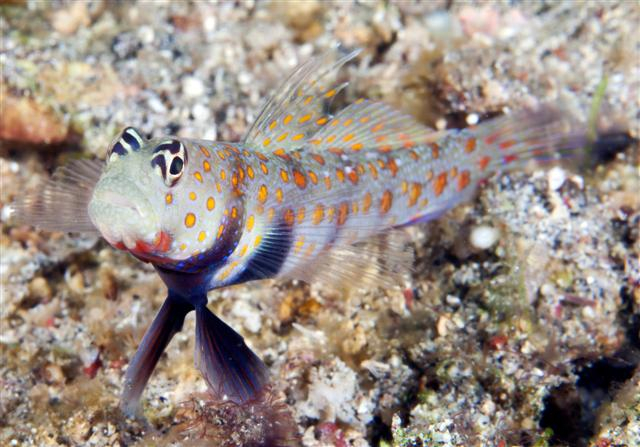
299 197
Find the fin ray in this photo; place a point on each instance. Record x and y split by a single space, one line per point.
61 204
227 364
297 108
165 325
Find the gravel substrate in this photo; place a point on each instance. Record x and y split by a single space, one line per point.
520 324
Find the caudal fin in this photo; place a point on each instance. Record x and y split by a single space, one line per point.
545 134
165 325
230 368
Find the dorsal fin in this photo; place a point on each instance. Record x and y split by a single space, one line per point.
369 124
297 109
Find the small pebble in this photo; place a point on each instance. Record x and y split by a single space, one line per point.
39 288
472 119
192 87
201 113
556 178
483 237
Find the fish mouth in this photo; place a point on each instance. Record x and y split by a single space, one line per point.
125 223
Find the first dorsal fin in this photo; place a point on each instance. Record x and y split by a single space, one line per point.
297 110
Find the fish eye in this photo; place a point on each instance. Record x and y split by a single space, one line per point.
129 140
176 166
169 160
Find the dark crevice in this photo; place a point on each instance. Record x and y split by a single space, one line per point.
571 410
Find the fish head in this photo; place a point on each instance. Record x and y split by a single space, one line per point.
128 205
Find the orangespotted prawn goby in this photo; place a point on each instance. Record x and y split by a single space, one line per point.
303 188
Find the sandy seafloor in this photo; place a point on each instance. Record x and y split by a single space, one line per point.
533 341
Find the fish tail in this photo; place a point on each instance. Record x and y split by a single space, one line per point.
230 368
165 325
548 134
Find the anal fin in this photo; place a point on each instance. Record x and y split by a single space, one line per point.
230 368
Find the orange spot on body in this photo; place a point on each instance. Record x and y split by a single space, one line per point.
266 142
192 195
318 214
250 172
470 145
484 162
257 242
297 137
463 180
272 125
202 236
301 214
289 216
262 194
206 166
510 158
211 203
507 144
453 172
327 182
282 136
366 202
322 121
385 148
393 167
205 151
279 196
280 152
250 222
313 177
305 118
198 176
343 213
340 175
243 250
168 199
414 155
414 194
190 220
440 183
287 119
357 147
435 150
378 127
284 175
386 201
318 158
374 171
223 175
264 168
299 179
220 230
353 177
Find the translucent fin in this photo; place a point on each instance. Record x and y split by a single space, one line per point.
61 204
298 108
367 125
165 325
229 367
385 260
545 134
381 260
